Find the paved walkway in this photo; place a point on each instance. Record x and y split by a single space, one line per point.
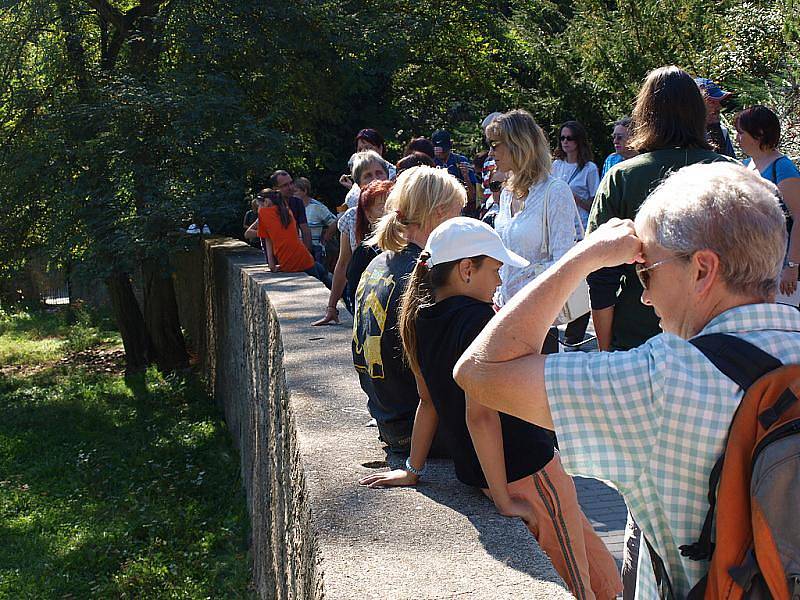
606 511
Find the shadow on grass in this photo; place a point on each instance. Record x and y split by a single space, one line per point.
110 491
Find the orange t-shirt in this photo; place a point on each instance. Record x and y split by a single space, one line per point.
290 253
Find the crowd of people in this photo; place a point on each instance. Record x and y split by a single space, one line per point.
458 273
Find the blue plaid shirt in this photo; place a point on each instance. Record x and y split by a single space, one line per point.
653 421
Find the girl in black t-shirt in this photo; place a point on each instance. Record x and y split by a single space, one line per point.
447 302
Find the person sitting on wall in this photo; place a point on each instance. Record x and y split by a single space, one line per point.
283 249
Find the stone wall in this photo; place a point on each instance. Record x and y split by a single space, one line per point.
315 532
227 314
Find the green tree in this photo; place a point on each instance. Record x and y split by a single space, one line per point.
123 122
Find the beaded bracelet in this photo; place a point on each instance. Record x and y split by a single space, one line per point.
410 468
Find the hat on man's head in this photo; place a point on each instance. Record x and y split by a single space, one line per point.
711 89
464 237
442 138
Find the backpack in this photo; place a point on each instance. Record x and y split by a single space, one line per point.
754 487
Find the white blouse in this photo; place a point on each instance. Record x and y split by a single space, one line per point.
522 233
583 183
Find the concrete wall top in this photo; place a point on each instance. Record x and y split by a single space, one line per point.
305 444
441 539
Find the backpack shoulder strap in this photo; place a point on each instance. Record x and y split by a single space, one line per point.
738 359
743 363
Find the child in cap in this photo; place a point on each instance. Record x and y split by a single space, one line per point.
447 302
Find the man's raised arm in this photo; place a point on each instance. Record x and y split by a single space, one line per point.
503 367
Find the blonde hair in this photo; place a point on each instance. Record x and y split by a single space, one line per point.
527 144
418 197
725 208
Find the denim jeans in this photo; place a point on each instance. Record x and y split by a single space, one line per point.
321 273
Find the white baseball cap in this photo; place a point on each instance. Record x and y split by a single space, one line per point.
465 237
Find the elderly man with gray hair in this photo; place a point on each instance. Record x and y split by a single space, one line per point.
708 246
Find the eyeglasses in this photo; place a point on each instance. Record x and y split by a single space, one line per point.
568 138
494 144
643 273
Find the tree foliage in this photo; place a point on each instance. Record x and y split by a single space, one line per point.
123 121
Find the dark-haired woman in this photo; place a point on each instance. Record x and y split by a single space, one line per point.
573 163
284 250
668 131
758 133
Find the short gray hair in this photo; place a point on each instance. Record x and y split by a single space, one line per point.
728 209
360 161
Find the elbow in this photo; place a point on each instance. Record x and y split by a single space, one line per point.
465 374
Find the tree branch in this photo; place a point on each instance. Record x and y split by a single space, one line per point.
109 13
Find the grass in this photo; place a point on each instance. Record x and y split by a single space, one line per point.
108 488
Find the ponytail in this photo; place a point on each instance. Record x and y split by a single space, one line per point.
283 211
418 293
389 233
418 197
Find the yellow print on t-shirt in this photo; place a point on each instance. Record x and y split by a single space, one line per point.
372 300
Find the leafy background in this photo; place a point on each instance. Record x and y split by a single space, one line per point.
122 121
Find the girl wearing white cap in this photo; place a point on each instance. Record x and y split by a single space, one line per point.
447 302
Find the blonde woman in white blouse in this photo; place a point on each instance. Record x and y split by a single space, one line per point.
520 148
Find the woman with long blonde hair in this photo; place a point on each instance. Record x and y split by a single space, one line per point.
422 198
520 148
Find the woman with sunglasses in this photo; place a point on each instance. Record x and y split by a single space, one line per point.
537 212
573 163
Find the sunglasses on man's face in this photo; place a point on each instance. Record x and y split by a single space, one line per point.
643 272
568 138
